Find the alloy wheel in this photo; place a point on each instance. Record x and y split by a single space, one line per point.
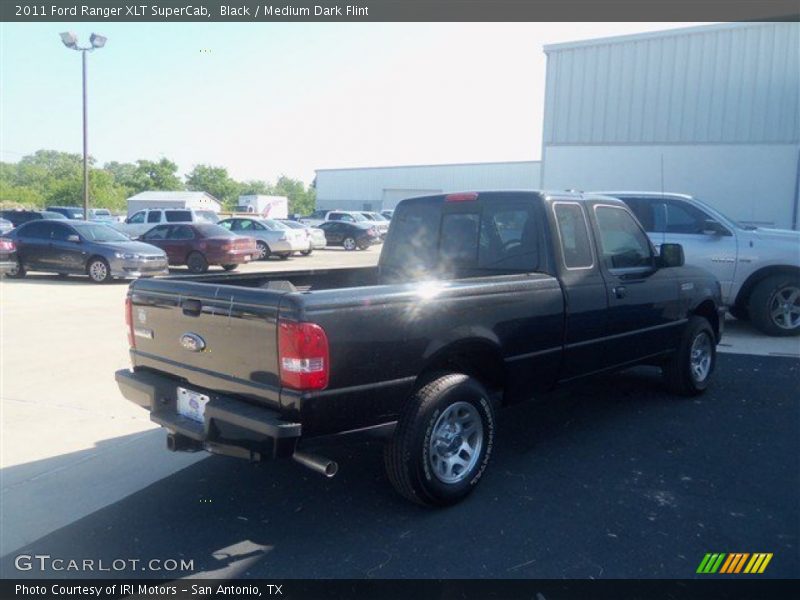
456 443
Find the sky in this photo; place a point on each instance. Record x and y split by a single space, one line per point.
265 99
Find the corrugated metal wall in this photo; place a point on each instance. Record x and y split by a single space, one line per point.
384 187
732 83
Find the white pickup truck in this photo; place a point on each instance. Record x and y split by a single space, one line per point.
758 269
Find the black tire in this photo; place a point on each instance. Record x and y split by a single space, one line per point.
349 243
680 375
739 312
197 263
19 272
262 251
409 455
98 270
767 298
363 247
306 252
230 267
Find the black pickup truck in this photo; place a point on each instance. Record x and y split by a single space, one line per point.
479 300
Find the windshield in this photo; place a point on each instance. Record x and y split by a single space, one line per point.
95 232
359 217
207 215
53 215
273 224
207 230
293 224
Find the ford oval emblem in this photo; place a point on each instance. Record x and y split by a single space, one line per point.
193 342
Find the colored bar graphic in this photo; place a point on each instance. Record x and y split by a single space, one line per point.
734 563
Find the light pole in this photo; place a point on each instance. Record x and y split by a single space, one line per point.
97 41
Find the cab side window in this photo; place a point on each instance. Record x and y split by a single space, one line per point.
137 217
683 218
154 216
39 231
156 233
623 244
573 234
62 232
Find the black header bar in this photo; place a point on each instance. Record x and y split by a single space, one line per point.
708 588
397 10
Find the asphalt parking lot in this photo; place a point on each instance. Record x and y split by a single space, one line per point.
612 479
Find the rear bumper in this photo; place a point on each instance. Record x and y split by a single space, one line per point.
230 426
6 265
231 258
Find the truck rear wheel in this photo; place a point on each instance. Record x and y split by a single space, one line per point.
443 441
688 372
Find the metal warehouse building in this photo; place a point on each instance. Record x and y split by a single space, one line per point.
381 188
711 111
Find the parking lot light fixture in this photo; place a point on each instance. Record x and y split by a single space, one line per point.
70 40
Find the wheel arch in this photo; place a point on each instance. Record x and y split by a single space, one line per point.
757 277
91 259
480 358
708 310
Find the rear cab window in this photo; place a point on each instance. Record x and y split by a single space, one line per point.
178 216
499 233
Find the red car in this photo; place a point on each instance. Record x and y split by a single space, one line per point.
198 245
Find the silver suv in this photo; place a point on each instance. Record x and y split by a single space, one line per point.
144 220
758 269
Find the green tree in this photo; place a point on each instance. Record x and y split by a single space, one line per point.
301 199
247 188
215 181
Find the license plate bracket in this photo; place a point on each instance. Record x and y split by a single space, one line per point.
192 405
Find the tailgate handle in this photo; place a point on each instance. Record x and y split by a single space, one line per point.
192 308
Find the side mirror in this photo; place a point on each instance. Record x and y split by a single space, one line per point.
671 256
712 227
75 239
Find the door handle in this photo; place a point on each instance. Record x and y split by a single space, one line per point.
620 291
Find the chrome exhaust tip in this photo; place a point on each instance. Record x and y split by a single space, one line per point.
320 464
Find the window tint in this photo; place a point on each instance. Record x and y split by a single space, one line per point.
509 238
181 232
623 243
37 230
226 224
208 230
178 216
684 218
245 225
154 216
137 217
644 209
573 235
157 233
459 238
62 232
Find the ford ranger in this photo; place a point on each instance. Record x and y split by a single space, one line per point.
479 300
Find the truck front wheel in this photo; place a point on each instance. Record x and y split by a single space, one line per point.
689 370
443 441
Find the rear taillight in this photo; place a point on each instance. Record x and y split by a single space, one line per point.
129 321
303 355
462 197
373 231
7 245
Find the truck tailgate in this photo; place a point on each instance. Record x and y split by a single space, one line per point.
217 337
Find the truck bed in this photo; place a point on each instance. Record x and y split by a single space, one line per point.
379 333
